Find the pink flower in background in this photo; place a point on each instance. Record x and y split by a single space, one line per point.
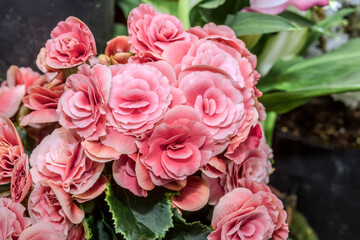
179 145
118 50
21 179
41 231
140 95
42 100
242 214
61 160
124 174
14 88
82 107
11 148
71 44
278 6
153 31
12 220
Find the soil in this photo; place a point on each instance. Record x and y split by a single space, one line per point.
323 121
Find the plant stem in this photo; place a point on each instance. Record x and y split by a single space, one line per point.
183 12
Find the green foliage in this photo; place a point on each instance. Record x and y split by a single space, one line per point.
120 30
300 228
28 142
164 6
292 83
186 231
248 23
127 5
98 230
138 217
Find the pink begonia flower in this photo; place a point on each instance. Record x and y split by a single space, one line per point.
71 44
139 97
218 99
43 101
153 31
11 148
43 206
254 166
239 147
76 233
179 145
273 205
61 160
278 6
82 107
12 220
193 196
41 231
110 146
125 175
13 89
242 214
21 179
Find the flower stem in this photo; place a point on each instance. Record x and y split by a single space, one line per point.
183 12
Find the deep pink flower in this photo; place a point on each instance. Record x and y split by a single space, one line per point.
21 179
179 145
48 204
153 31
124 174
61 160
278 6
71 44
42 100
11 148
41 231
139 97
82 107
242 214
12 220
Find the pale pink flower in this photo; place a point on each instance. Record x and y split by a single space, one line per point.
76 233
11 148
41 231
218 99
43 101
61 160
110 146
139 97
124 174
82 107
179 145
242 214
278 6
48 204
71 44
13 89
21 179
12 220
153 31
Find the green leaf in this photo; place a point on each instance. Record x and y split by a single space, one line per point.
303 21
127 5
248 23
28 142
139 217
98 230
186 231
120 30
164 6
292 83
326 24
300 228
